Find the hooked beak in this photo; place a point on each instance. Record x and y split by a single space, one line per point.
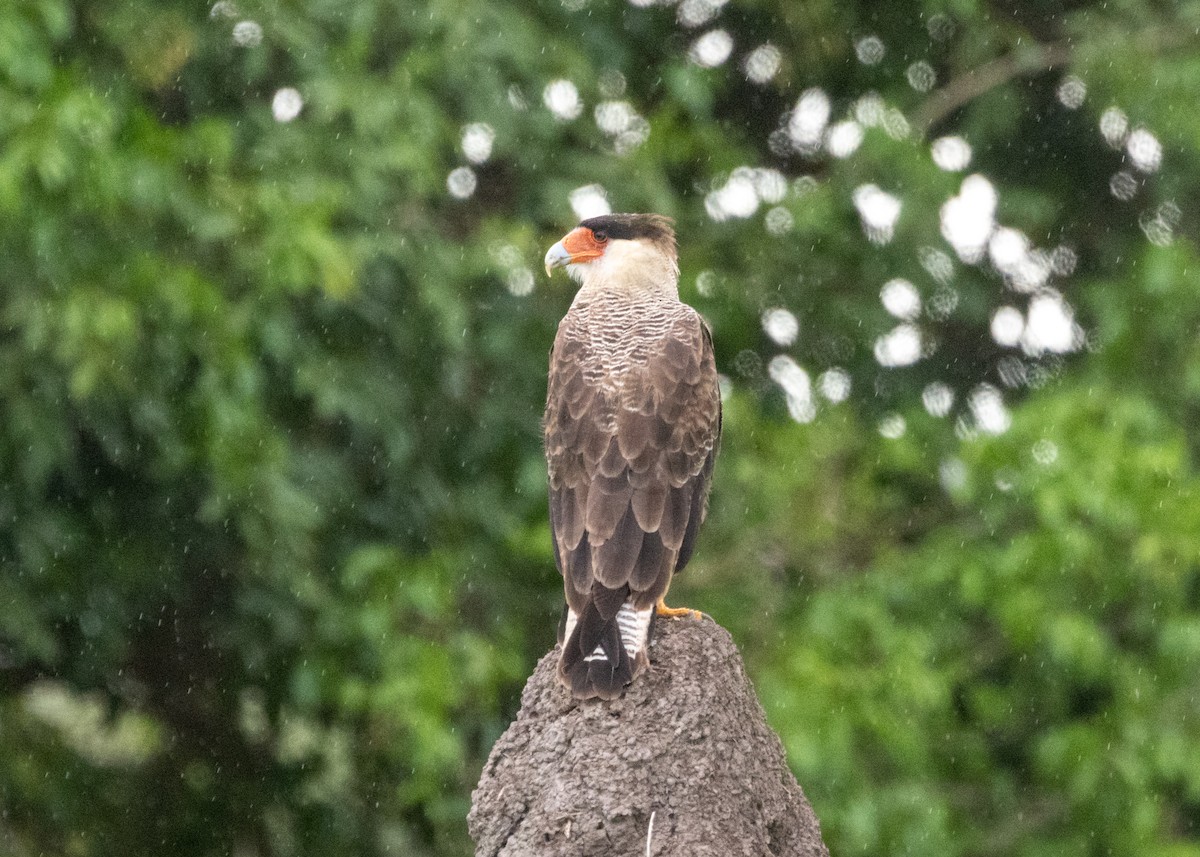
557 257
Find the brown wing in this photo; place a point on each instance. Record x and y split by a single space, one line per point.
630 463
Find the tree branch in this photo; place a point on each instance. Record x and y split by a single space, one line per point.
967 87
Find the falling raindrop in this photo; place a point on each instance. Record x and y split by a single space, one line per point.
781 325
901 299
1039 376
901 346
1063 260
1050 325
1012 371
561 97
943 303
987 406
1158 232
706 283
844 138
807 122
1159 225
611 83
967 219
952 473
779 221
1007 326
965 429
1113 126
693 13
785 372
921 76
711 49
937 264
892 426
477 140
951 153
937 398
878 211
1144 150
1072 92
223 9
1033 272
1007 249
247 34
940 27
637 133
870 50
1123 185
780 143
519 281
505 255
803 186
834 385
590 201
770 184
869 110
287 104
748 363
1045 452
613 117
461 182
895 124
762 63
738 197
516 98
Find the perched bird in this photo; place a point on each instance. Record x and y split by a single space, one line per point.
632 424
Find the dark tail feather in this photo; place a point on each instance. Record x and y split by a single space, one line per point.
594 662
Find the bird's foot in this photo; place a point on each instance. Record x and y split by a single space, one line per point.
662 609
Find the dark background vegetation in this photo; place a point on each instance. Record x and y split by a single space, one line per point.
274 560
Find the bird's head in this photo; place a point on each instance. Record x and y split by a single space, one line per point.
627 251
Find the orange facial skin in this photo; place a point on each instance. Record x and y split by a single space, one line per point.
583 245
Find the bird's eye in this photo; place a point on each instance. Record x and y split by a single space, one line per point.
600 235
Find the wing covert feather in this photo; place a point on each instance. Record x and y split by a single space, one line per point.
630 457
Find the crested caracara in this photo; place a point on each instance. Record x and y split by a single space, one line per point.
632 422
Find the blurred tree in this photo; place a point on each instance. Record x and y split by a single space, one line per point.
274 555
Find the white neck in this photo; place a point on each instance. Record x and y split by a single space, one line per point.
632 268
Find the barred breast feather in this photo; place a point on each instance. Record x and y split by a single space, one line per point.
632 423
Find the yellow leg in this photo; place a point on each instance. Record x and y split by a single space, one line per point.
662 609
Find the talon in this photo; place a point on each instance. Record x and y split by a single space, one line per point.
662 609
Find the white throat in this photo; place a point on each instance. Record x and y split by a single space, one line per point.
635 268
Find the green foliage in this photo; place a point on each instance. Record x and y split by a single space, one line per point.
273 553
1012 681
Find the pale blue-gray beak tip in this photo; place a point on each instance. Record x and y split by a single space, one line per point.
556 257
